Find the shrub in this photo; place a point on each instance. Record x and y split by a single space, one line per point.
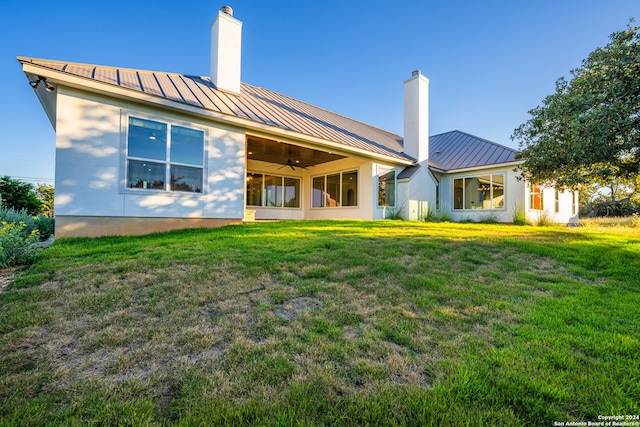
395 214
489 218
545 219
16 246
519 216
437 216
16 216
43 224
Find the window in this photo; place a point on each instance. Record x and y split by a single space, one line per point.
335 190
479 192
574 202
272 191
291 192
254 189
163 156
536 198
387 189
557 200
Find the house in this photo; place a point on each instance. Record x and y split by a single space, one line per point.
143 151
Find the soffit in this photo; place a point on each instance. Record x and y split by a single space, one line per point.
278 152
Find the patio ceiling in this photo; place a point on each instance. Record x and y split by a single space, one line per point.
266 150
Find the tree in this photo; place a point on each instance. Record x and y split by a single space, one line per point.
45 195
19 195
589 130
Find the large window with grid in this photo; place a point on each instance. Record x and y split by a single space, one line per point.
164 156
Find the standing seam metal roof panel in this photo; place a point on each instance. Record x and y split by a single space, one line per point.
265 99
169 90
448 150
258 112
150 84
199 92
106 75
331 127
303 121
283 115
233 101
129 79
256 108
184 91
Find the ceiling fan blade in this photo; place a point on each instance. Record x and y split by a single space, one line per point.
292 168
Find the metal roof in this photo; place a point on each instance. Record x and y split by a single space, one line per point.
253 103
408 172
447 152
459 150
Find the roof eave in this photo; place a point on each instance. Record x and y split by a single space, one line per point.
92 86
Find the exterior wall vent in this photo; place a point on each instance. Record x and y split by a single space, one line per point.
227 10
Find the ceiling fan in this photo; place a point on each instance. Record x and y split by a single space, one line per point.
292 164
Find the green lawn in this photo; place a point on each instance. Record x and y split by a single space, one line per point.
326 323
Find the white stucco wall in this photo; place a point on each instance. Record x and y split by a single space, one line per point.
566 211
418 194
90 164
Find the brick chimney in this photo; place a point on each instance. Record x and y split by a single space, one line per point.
416 117
226 49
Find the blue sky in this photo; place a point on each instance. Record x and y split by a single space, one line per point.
488 62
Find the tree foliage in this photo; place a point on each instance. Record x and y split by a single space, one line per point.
45 195
19 195
589 129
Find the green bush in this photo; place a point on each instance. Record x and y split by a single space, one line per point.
545 219
489 218
43 224
434 215
16 216
519 216
17 246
